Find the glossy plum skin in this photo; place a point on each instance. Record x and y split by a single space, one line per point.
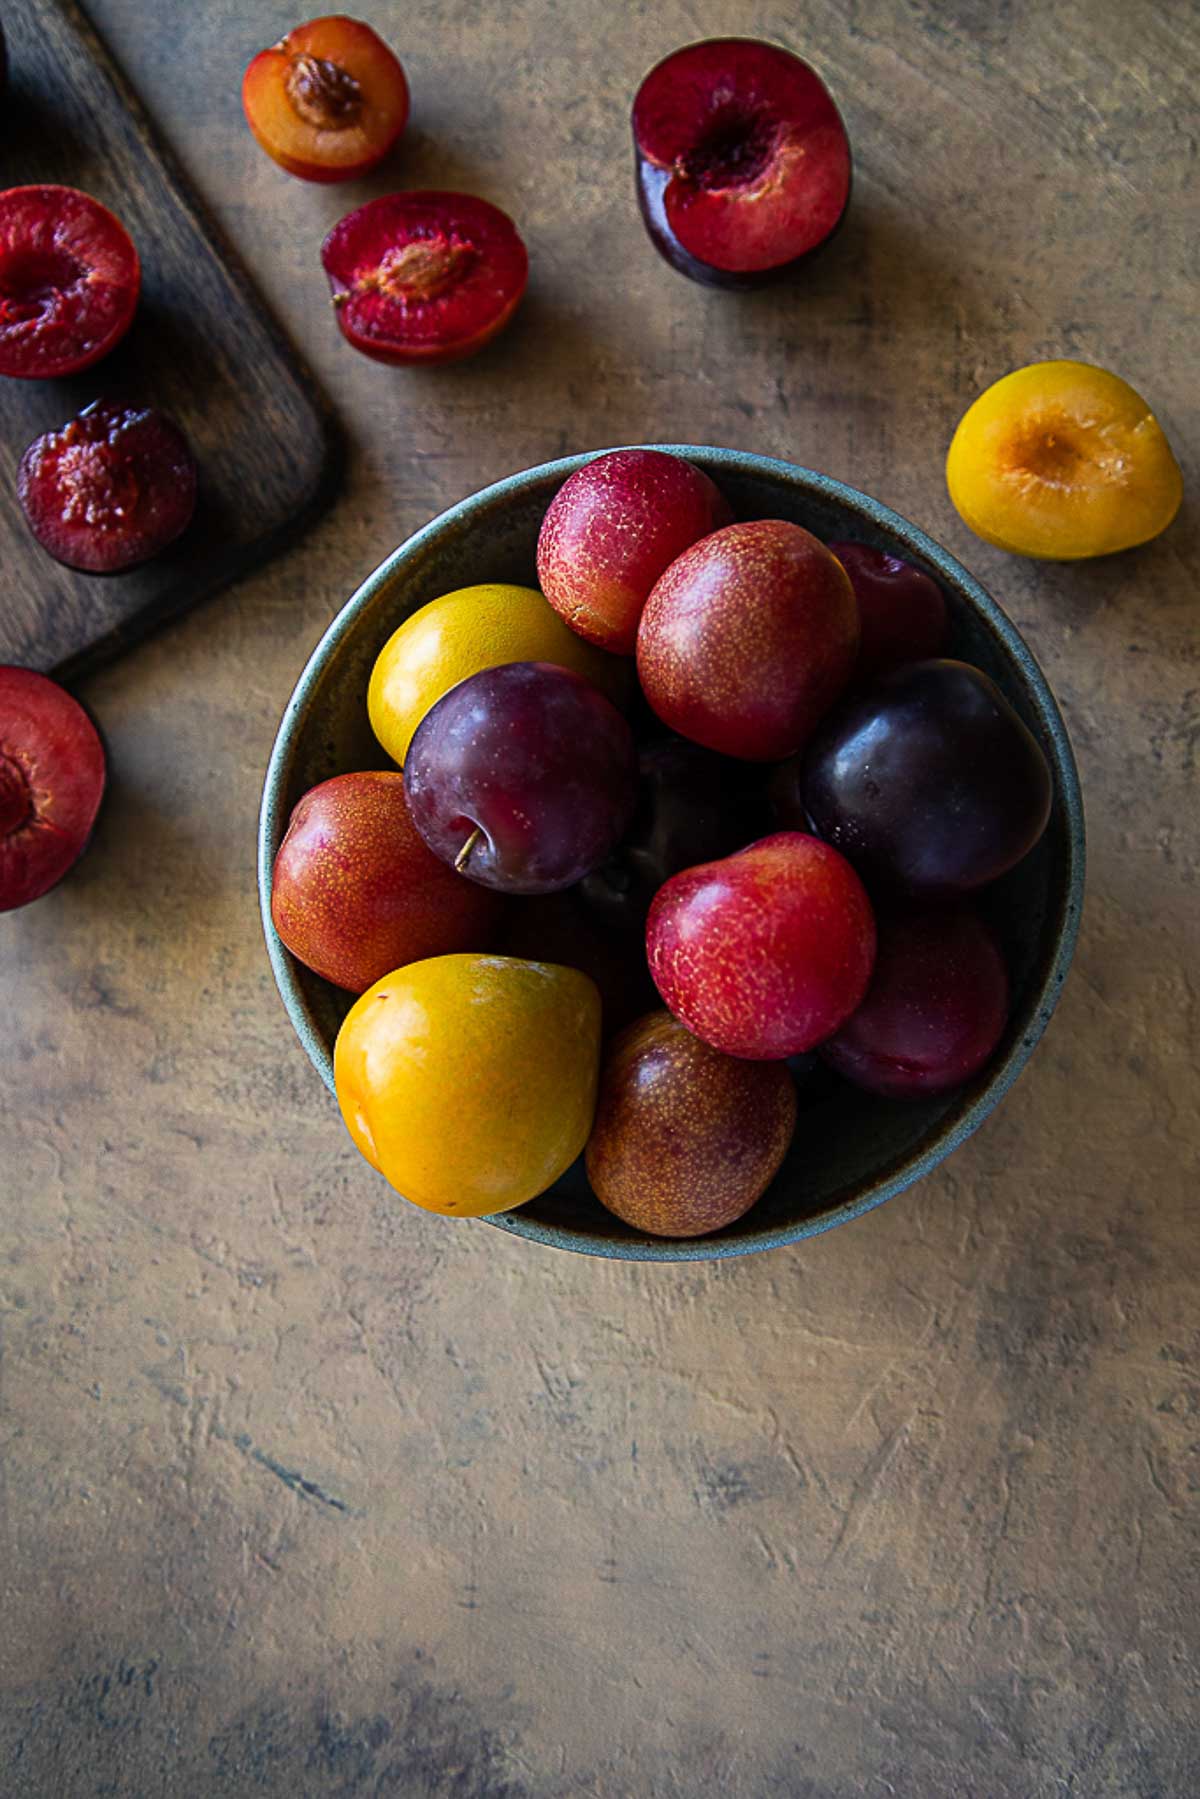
523 777
109 489
929 782
328 101
748 639
742 161
69 281
901 611
612 529
356 892
766 953
685 1139
693 806
52 778
934 1012
427 277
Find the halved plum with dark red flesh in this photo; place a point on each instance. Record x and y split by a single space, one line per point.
328 101
51 784
424 277
743 163
109 489
69 281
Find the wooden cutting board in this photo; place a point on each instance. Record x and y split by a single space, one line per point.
202 348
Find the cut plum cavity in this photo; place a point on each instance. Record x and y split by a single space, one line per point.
69 281
743 163
109 489
51 784
424 277
328 101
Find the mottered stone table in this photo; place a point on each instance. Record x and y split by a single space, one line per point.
303 1492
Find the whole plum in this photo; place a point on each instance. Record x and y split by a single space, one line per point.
929 783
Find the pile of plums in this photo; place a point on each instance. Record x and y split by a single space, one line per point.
787 836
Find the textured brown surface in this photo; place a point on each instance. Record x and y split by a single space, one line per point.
303 1495
200 347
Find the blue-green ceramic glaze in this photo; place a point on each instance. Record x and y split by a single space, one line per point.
851 1151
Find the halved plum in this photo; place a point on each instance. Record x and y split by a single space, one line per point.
328 101
51 783
743 162
110 489
69 281
424 277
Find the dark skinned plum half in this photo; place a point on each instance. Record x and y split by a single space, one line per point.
743 162
69 281
424 277
51 784
110 489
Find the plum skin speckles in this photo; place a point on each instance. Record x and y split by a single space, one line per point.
748 639
686 1139
765 953
612 529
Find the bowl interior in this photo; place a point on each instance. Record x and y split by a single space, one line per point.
851 1151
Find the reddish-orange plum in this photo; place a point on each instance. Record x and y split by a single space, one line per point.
743 163
52 775
328 101
766 953
685 1139
356 894
69 281
424 277
748 639
901 611
611 530
934 1012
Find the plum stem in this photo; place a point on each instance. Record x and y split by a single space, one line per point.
460 861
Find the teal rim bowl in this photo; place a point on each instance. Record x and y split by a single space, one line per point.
852 1150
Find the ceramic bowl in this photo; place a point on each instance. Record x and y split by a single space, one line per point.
851 1151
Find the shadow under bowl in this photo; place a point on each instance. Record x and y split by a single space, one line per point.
852 1150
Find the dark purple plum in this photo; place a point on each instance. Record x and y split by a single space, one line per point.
901 611
934 1012
523 777
693 806
928 783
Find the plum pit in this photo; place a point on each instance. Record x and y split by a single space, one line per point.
322 93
